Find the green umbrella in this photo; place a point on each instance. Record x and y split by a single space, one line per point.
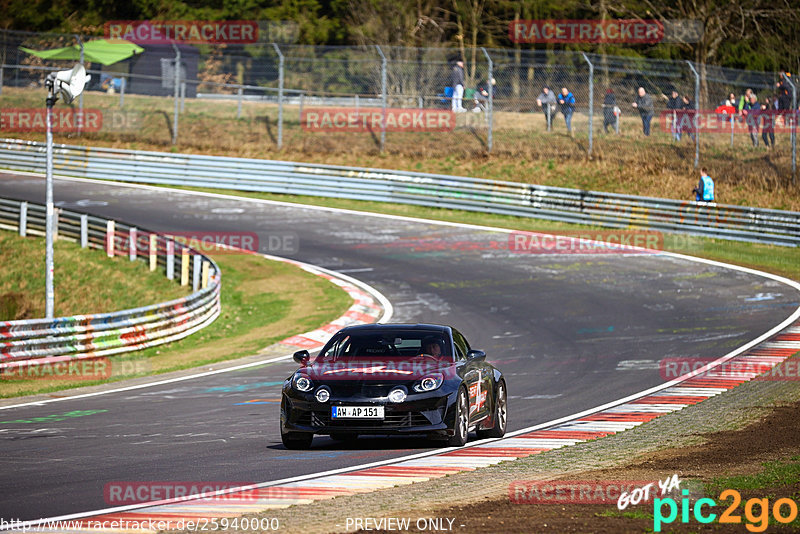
102 51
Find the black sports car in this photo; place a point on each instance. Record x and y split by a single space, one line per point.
393 379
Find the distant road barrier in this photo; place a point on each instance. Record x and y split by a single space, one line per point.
40 341
454 192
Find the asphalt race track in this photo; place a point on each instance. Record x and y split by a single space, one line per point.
569 331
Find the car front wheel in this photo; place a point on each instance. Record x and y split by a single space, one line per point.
297 440
461 426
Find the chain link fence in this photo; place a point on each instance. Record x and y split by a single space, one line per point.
263 94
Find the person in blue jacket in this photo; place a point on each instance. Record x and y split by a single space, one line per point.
705 188
567 102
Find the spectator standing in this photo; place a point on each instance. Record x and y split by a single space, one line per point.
482 95
750 112
743 100
547 101
705 188
609 105
673 105
767 116
457 81
688 115
644 104
567 102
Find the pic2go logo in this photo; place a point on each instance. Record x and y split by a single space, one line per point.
756 511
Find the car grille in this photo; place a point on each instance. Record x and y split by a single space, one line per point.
391 420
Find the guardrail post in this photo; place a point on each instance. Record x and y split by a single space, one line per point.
84 231
383 98
694 115
170 259
794 116
184 266
591 100
196 271
110 239
153 252
280 95
23 219
132 238
206 266
176 94
490 104
240 93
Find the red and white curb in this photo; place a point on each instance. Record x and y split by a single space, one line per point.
628 413
366 309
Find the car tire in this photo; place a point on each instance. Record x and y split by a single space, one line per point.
344 437
499 415
461 424
297 440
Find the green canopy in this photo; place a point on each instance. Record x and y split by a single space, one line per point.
102 51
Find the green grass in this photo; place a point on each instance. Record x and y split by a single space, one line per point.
256 311
783 261
85 280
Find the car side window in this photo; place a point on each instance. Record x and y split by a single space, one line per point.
462 347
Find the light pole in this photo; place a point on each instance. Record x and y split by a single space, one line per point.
68 84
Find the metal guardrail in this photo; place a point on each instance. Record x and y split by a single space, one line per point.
454 192
35 341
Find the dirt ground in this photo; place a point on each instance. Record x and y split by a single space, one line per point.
726 453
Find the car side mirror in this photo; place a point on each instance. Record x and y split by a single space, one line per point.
476 356
301 357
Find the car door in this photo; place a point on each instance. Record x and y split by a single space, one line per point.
475 377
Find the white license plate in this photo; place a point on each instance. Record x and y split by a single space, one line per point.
357 412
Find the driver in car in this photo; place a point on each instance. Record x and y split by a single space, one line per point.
432 346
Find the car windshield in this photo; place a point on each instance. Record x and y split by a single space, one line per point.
401 344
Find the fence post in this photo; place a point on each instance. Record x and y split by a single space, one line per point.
184 266
84 231
177 91
301 108
794 116
79 122
183 96
196 272
239 92
110 234
591 100
489 109
23 219
280 95
732 130
132 237
122 92
170 259
694 115
383 98
1 79
153 252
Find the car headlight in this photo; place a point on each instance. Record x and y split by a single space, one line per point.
323 394
429 383
397 395
302 383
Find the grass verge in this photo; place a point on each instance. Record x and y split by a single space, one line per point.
257 310
523 150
